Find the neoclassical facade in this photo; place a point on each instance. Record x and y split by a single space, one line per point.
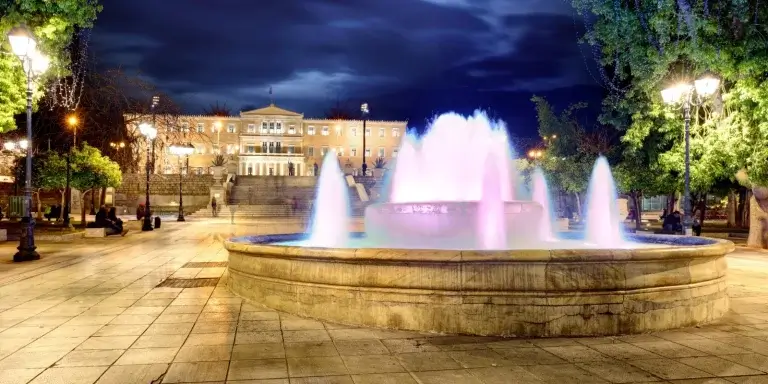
270 141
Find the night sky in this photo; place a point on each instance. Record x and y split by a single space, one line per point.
409 59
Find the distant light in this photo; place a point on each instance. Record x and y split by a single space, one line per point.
707 86
72 120
23 144
9 145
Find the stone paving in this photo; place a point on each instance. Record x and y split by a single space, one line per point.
91 312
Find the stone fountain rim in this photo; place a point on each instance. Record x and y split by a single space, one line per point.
683 248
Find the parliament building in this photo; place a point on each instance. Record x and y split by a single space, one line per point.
269 141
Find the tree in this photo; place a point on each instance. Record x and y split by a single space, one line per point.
571 149
682 40
53 24
90 171
48 173
217 110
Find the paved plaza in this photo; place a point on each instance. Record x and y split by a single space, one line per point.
115 310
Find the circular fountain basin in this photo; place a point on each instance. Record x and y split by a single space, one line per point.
670 282
449 224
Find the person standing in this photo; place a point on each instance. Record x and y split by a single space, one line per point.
214 211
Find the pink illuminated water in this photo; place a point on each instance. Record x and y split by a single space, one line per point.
448 162
454 188
540 194
491 221
603 221
329 225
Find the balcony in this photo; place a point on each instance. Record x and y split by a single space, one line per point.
273 152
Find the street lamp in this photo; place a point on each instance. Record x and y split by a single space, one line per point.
364 111
34 63
150 133
117 146
182 151
535 154
687 95
72 122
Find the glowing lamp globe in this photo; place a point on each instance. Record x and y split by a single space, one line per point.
22 42
707 86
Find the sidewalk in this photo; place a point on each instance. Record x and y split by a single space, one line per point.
153 307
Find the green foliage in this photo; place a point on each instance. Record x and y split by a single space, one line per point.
219 161
52 23
571 149
91 169
647 45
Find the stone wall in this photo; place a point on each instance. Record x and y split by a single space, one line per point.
164 189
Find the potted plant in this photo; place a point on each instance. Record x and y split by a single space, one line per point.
378 167
218 165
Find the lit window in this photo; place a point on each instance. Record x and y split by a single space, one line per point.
251 128
231 128
292 129
396 132
354 131
325 131
367 131
394 152
311 151
323 150
367 152
381 152
200 128
264 127
310 130
279 127
185 127
291 149
338 130
353 151
214 128
272 127
381 132
340 151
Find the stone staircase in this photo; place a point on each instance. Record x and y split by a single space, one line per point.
254 211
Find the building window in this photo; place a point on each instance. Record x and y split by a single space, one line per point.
291 149
381 152
311 130
338 130
323 150
230 128
311 151
394 152
278 147
353 151
214 128
171 129
250 149
251 128
367 152
381 132
325 131
278 127
340 151
264 126
231 149
396 132
354 131
200 128
292 129
264 147
271 147
272 127
367 131
200 150
185 127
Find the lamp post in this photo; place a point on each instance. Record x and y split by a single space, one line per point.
364 111
150 133
24 46
72 121
687 95
182 151
535 154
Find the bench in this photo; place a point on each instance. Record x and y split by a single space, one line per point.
95 232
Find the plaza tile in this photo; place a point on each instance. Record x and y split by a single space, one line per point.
69 375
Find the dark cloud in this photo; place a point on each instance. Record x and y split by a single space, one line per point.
313 51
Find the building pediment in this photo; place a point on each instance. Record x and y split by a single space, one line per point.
270 110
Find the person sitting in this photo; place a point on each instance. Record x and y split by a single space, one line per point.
116 221
101 221
672 223
140 212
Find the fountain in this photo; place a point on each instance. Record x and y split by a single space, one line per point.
453 250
